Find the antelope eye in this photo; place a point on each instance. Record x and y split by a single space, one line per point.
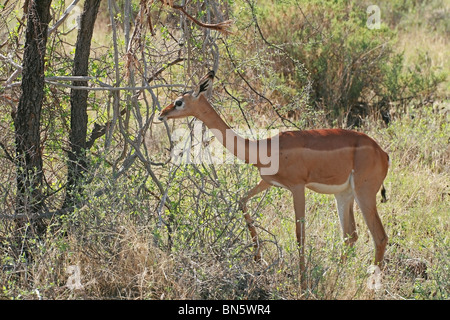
178 103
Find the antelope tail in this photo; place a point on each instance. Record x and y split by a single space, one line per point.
383 194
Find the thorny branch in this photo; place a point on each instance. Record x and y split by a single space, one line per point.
63 17
284 119
222 27
135 141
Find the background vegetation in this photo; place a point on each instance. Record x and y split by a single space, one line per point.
143 227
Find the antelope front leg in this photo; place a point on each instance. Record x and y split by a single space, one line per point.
262 185
298 194
254 235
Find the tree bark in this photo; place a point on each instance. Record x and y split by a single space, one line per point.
29 198
77 164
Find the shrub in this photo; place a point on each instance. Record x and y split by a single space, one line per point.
353 69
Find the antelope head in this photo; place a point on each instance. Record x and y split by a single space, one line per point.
190 103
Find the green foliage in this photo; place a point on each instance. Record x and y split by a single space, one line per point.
306 60
352 69
343 56
422 137
419 81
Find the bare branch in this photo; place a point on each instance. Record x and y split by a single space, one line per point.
11 61
108 88
222 27
63 17
7 155
15 74
160 70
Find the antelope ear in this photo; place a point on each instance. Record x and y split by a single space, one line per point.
205 84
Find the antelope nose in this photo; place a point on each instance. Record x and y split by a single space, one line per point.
161 118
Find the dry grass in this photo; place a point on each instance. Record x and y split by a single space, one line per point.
122 252
124 247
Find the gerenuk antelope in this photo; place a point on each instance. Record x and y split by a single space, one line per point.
348 164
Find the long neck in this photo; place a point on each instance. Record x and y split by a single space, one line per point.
242 148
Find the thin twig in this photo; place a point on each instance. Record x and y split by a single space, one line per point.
8 156
222 27
116 88
283 119
116 95
63 17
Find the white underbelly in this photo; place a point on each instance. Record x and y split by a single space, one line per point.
328 188
277 184
319 187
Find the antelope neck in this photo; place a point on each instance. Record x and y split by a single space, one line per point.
239 146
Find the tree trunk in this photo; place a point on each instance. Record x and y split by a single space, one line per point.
78 102
27 120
